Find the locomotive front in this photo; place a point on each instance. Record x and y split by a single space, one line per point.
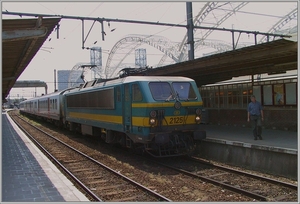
173 116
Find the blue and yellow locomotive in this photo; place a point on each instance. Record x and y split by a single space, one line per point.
156 114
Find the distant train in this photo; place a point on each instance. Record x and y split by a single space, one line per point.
156 114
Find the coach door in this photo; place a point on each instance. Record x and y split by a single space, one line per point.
127 108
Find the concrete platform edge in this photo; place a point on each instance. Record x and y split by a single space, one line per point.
248 145
62 183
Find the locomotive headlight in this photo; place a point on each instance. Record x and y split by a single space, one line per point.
198 111
177 105
152 121
197 119
153 114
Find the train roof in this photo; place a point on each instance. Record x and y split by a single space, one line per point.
97 83
47 95
156 78
130 79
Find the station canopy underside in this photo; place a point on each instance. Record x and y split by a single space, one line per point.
21 40
272 57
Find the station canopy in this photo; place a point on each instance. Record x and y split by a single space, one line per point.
21 40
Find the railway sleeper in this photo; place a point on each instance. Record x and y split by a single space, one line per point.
80 170
111 187
127 199
281 198
118 192
97 182
70 161
73 162
94 177
220 174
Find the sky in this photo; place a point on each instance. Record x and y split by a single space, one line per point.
64 53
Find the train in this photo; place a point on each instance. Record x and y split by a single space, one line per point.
159 115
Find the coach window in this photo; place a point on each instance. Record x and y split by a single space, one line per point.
222 97
136 93
92 99
246 94
205 96
291 94
235 95
240 95
278 94
118 94
216 91
127 94
257 93
211 97
267 90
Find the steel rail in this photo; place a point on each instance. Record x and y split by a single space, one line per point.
153 193
215 182
285 184
88 191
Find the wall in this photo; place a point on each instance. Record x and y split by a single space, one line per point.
280 162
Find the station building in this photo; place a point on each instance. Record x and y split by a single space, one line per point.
226 103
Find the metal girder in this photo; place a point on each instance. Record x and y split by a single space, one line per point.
224 18
32 83
79 71
282 22
23 34
160 43
200 18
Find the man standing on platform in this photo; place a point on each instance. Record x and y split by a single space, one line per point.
256 115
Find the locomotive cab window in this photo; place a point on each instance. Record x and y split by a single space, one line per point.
161 90
184 91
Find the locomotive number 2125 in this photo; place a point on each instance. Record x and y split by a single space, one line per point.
176 120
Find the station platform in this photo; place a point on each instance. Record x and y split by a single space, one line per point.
276 154
27 174
273 139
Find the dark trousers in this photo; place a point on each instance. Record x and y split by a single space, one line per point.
256 125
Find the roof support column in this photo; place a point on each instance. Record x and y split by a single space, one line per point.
190 30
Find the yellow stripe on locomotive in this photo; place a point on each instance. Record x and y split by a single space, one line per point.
176 118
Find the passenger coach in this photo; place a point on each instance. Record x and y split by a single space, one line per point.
48 107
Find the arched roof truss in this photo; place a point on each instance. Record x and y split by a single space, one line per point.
200 17
281 23
132 42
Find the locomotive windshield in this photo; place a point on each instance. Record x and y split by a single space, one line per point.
179 90
184 90
160 90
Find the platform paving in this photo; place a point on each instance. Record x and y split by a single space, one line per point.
276 154
27 174
280 139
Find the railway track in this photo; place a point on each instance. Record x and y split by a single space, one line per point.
173 177
254 186
98 181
